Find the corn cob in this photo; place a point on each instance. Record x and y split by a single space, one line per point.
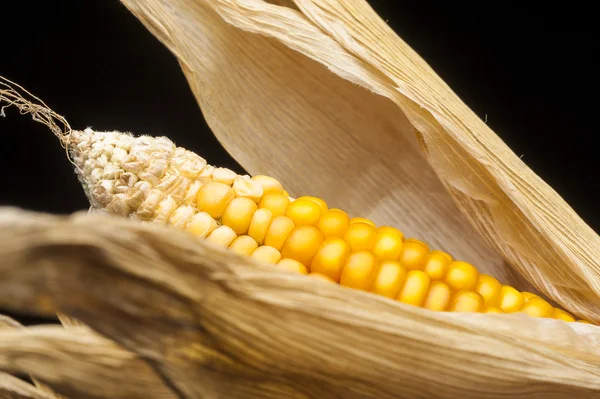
152 180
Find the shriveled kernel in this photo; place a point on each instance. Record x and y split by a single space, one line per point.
389 279
414 254
363 220
359 270
562 315
224 175
436 265
304 212
322 204
268 184
277 203
261 220
528 295
360 236
201 224
511 300
462 276
213 198
302 244
493 309
466 301
238 214
278 231
266 254
205 175
222 235
292 265
247 188
244 245
415 288
331 258
164 210
388 246
334 223
320 276
192 193
537 307
181 216
438 297
490 289
390 230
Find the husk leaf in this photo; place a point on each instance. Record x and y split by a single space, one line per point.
216 325
12 387
73 359
326 97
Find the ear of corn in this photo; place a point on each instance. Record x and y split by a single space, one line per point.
150 179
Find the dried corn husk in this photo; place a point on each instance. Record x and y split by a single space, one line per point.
326 97
14 388
74 360
217 325
322 95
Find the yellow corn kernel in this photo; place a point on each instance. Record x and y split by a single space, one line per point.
201 224
322 204
562 315
490 289
213 198
390 230
278 231
389 279
268 184
247 188
363 220
462 276
304 212
537 307
261 220
414 254
436 265
292 265
222 235
277 203
511 300
320 276
466 301
528 295
334 223
493 309
331 258
388 245
302 244
438 297
360 236
266 254
238 214
359 270
415 288
244 245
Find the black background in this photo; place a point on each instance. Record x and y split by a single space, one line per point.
528 67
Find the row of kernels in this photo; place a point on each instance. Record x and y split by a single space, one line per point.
286 228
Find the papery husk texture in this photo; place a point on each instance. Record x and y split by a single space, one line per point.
213 324
324 96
